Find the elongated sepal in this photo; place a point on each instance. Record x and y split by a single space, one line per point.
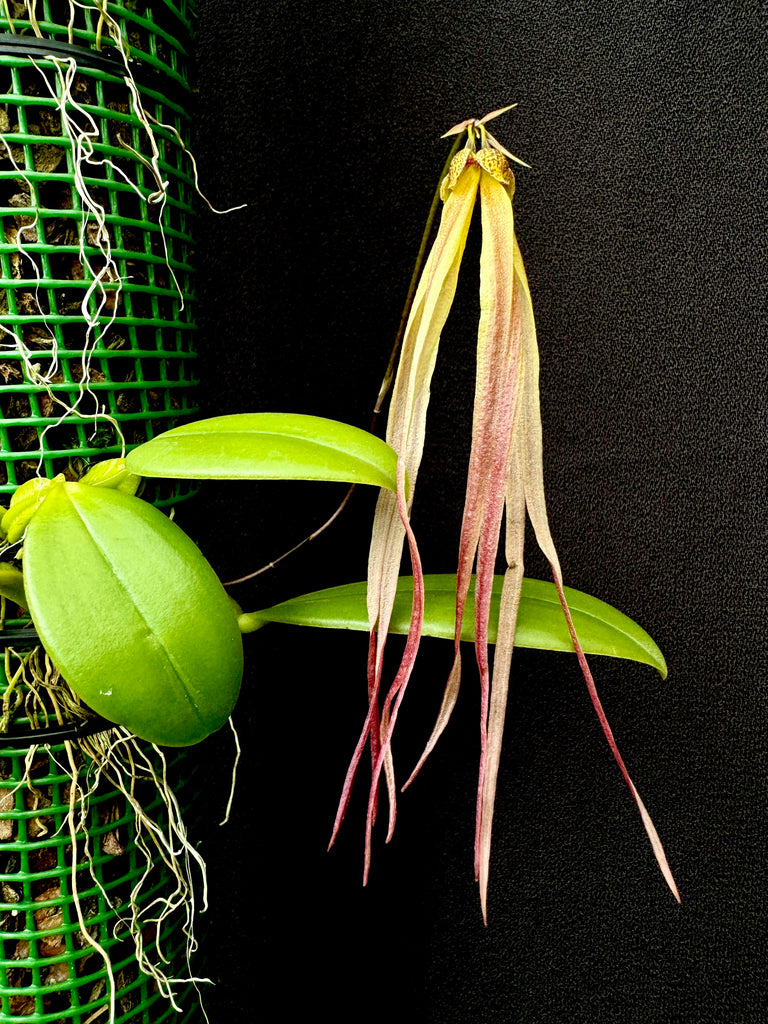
268 446
132 614
602 628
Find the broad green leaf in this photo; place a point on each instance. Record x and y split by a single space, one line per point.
132 614
601 628
267 446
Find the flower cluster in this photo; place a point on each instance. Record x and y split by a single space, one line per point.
505 481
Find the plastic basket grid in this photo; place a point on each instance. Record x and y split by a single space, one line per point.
143 369
48 970
157 32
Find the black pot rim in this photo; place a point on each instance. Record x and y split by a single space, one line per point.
17 45
13 44
55 733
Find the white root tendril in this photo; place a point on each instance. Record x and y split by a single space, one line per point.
119 760
235 764
188 152
76 797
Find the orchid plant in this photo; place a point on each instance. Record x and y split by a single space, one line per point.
134 618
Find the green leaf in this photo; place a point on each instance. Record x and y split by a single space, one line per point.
267 446
601 628
12 584
132 614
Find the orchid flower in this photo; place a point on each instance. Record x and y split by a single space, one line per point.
505 478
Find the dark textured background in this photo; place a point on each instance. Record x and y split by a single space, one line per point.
643 227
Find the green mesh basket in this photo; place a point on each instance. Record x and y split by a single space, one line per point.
49 970
156 32
96 328
96 356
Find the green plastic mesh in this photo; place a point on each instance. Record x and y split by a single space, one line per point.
96 334
121 353
115 345
48 970
157 32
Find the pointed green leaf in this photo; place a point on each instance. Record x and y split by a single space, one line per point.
132 614
601 628
267 446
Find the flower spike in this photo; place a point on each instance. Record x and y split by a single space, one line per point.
505 479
